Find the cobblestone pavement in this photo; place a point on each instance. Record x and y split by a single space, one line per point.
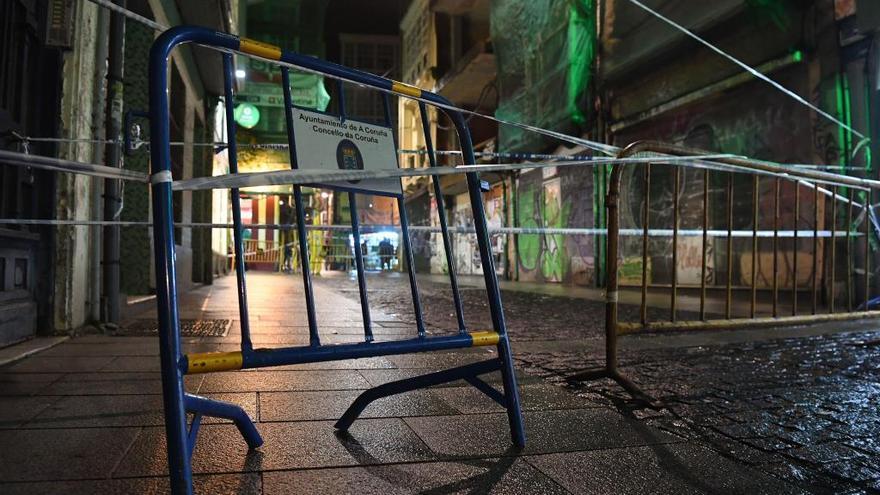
803 409
85 417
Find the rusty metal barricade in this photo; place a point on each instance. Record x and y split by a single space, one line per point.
804 179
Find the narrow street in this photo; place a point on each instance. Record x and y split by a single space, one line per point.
439 247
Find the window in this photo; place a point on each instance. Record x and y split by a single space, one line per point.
378 55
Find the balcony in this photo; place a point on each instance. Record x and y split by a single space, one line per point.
464 82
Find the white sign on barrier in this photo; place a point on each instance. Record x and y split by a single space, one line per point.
325 142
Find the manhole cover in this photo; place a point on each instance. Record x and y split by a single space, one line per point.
188 328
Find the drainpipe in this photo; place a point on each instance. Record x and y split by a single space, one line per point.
97 157
112 193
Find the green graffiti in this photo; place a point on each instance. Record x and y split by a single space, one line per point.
528 245
544 252
554 258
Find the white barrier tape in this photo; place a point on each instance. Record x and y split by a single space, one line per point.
801 234
313 177
307 177
318 177
161 177
69 166
136 144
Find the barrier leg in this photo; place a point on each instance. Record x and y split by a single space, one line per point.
469 373
511 394
179 467
220 409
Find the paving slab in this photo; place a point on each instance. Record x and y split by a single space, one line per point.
274 381
547 431
121 348
507 475
533 397
122 410
330 405
659 468
345 364
33 455
129 383
26 383
15 411
215 484
381 377
308 444
50 364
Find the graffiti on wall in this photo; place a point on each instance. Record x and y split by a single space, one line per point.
752 121
555 200
465 249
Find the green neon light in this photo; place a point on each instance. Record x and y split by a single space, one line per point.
246 115
797 56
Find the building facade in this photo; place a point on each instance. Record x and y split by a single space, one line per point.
55 103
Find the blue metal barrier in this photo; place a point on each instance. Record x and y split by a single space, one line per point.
181 435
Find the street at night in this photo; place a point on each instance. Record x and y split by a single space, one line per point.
439 246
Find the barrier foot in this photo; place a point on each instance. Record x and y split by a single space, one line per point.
631 388
219 409
468 372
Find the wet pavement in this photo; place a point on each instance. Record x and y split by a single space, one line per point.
746 416
802 408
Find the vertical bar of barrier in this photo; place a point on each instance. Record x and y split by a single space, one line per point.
794 274
815 248
179 467
755 190
849 264
643 310
232 151
305 263
404 227
776 186
727 306
677 176
833 248
705 243
444 228
359 265
356 235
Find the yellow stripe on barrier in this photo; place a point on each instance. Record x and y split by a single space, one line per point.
208 362
485 338
406 89
260 49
